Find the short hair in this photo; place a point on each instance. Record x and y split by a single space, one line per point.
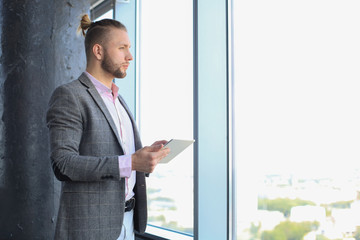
97 32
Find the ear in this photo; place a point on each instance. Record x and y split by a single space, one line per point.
98 51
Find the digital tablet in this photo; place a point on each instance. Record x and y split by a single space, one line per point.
176 146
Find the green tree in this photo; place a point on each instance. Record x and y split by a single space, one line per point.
357 233
283 205
290 231
273 235
160 218
321 237
254 231
339 204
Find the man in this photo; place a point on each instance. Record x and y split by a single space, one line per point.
95 147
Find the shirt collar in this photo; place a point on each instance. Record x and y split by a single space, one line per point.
101 88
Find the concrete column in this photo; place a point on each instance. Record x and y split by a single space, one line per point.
39 51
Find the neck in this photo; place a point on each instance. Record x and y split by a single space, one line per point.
101 76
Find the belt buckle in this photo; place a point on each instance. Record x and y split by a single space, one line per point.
130 204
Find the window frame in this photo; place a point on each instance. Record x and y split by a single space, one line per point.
212 96
98 8
212 93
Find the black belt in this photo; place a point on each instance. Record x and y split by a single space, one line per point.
130 204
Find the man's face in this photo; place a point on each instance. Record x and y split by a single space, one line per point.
117 54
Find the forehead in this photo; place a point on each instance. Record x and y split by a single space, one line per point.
118 36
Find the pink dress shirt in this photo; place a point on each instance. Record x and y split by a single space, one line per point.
125 131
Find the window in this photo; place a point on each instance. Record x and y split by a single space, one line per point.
297 118
107 15
101 9
166 109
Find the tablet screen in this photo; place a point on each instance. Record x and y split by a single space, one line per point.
176 146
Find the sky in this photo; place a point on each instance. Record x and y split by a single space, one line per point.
297 85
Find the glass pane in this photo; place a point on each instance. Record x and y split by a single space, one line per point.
166 107
108 15
297 119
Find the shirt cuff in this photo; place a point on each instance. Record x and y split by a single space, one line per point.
125 166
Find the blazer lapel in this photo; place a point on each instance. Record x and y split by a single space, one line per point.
97 98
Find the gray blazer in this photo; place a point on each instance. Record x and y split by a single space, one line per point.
84 153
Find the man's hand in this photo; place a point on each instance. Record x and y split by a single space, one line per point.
146 159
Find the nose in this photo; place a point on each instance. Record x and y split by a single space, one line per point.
129 56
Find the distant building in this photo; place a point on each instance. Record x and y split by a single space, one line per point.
308 213
269 219
345 220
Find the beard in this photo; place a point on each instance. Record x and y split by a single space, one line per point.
108 66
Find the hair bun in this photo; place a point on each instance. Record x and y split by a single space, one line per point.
85 23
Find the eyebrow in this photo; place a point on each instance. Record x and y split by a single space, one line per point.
124 44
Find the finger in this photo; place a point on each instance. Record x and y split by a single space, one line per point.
161 154
163 142
155 148
166 150
159 142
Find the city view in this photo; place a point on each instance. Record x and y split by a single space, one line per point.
289 207
286 207
170 194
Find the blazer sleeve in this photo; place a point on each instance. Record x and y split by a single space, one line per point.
65 125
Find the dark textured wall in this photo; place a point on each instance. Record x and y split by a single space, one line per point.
39 51
69 55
